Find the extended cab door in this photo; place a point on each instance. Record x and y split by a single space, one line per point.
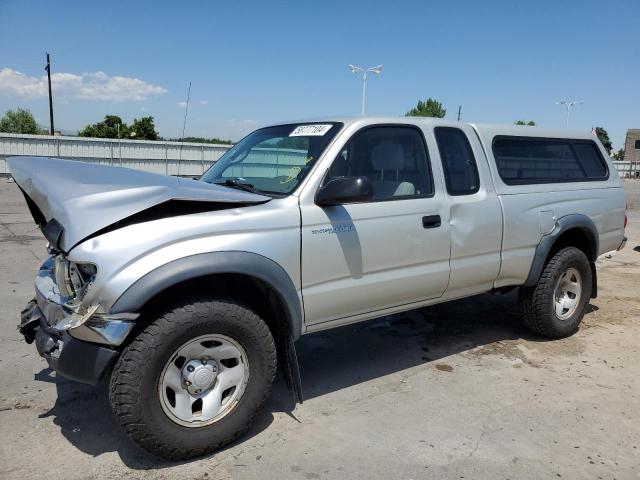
474 209
361 258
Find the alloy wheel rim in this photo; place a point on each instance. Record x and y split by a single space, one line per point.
203 380
568 293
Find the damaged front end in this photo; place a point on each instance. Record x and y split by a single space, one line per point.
76 339
73 203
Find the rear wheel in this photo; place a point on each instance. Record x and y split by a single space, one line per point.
555 306
194 379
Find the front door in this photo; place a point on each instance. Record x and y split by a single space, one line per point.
394 250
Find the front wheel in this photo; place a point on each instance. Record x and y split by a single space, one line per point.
555 306
194 379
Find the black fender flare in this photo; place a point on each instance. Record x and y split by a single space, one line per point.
202 264
564 224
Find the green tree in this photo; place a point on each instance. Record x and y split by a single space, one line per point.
108 128
619 155
19 121
428 108
530 123
603 136
203 140
295 143
143 129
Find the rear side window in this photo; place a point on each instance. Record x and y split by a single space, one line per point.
458 162
526 161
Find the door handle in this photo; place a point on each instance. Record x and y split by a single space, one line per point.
431 221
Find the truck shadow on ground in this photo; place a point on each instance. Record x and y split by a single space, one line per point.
329 361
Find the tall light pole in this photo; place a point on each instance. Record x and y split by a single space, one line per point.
364 72
568 104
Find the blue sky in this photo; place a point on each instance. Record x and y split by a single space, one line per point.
252 63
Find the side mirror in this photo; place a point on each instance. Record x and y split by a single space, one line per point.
344 190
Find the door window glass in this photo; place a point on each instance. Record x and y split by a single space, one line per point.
458 162
394 158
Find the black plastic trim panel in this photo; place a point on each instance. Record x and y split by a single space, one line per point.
194 266
576 220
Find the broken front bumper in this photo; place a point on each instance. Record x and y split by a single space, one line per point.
72 358
93 327
84 352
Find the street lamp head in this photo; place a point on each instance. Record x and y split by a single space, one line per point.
364 71
569 103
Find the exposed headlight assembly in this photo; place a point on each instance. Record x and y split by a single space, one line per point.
72 278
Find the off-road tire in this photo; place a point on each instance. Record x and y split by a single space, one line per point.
538 302
134 382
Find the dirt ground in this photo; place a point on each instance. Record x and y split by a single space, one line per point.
459 390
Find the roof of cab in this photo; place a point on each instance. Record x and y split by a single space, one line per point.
366 119
485 130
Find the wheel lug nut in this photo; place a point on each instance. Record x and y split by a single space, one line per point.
190 368
187 382
204 361
198 391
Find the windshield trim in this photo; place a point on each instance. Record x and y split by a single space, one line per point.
270 193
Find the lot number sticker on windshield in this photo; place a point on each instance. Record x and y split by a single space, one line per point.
310 130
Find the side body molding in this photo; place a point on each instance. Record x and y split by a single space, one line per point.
186 268
564 224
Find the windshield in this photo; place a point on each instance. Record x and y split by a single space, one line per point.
273 160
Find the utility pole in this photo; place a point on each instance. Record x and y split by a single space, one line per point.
184 126
48 69
459 110
119 145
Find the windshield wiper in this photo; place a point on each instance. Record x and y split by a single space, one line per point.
234 183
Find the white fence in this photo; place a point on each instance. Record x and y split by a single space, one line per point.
169 158
627 169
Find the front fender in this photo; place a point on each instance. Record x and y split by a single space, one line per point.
202 264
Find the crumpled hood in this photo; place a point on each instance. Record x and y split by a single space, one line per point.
84 198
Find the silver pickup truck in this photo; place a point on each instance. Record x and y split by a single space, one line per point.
186 295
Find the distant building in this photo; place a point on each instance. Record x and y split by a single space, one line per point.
632 145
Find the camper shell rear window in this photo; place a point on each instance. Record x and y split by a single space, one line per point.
535 160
